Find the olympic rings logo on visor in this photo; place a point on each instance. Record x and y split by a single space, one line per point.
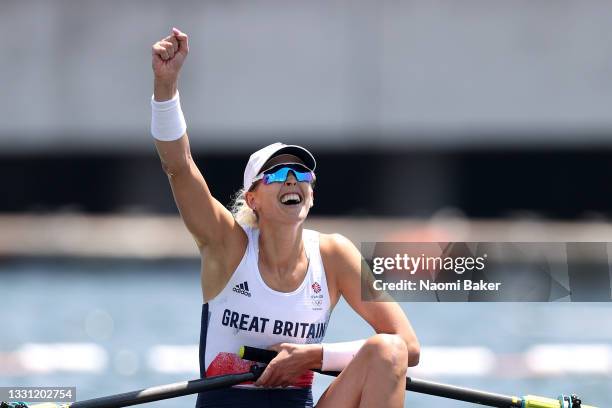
279 174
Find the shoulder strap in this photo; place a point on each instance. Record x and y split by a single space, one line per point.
311 245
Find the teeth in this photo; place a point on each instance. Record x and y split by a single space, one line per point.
290 197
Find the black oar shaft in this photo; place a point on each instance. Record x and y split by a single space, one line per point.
413 384
168 391
461 394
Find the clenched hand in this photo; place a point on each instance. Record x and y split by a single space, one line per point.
168 57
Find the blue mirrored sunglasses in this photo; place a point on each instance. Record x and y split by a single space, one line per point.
279 174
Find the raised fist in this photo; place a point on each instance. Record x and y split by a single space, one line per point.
169 55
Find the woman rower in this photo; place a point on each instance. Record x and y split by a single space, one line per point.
268 282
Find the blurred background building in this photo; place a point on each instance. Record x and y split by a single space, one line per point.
492 108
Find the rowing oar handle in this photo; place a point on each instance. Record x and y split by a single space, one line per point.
265 356
256 354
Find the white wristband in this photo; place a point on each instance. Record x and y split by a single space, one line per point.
336 356
167 119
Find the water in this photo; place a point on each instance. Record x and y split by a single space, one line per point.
128 307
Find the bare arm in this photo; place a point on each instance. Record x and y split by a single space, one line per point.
210 223
344 260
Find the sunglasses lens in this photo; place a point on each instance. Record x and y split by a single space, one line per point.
275 177
280 175
303 176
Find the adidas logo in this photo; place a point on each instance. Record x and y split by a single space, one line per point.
243 289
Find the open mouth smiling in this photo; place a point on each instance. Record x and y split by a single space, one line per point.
291 199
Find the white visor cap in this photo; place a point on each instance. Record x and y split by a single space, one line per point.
260 157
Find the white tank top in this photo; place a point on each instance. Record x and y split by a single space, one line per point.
248 312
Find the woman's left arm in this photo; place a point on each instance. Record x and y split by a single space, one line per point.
343 261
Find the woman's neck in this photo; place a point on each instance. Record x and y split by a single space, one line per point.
281 248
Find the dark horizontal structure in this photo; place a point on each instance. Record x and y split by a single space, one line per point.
558 184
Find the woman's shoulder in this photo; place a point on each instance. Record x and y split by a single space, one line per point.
340 259
334 239
336 247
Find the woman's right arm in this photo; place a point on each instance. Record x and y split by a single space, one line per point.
210 223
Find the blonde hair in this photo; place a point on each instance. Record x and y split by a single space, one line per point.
243 214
